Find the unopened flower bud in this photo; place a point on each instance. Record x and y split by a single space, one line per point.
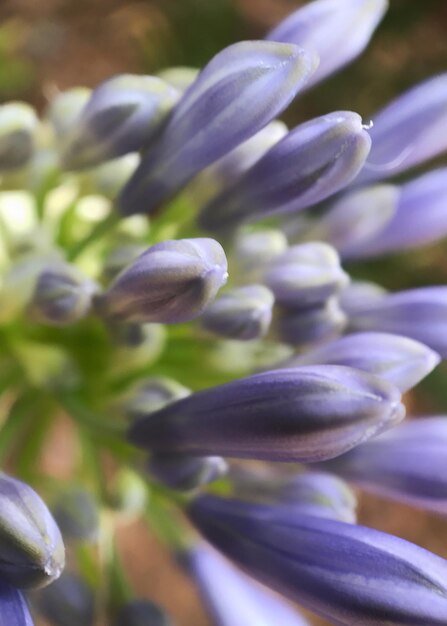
185 473
311 163
243 313
304 327
76 514
171 282
32 551
67 602
240 90
141 613
153 394
18 123
122 115
14 610
306 275
254 252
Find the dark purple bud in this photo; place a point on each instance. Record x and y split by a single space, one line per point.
304 414
420 314
419 218
241 90
32 551
346 573
312 162
306 327
400 360
67 602
61 296
141 613
306 275
186 473
337 30
122 115
408 464
243 313
171 282
232 598
14 610
409 131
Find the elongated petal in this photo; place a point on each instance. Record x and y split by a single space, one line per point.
242 313
307 327
171 282
306 275
122 115
346 573
420 314
242 89
400 360
408 464
338 30
13 607
31 547
409 131
232 599
357 218
302 414
312 162
420 218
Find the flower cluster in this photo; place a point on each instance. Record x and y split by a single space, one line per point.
153 201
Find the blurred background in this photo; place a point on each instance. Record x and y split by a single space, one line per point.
49 45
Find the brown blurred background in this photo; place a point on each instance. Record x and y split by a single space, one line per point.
54 44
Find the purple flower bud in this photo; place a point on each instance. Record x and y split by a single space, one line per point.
32 551
119 258
400 360
306 275
312 493
337 30
254 251
419 218
122 115
312 162
76 514
67 602
408 464
153 394
409 131
186 473
242 89
356 218
348 574
13 607
141 613
65 108
61 296
305 414
18 123
171 282
417 313
232 598
304 327
360 293
243 313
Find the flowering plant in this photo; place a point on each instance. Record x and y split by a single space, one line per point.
175 280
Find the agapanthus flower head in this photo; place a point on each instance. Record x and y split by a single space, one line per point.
171 282
303 414
122 115
32 551
240 90
346 573
312 162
